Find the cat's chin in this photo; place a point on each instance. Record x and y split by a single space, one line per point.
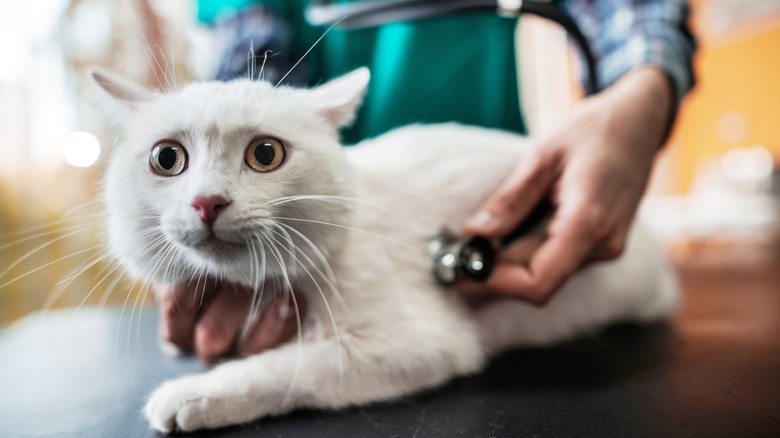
215 249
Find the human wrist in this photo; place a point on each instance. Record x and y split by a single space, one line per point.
642 106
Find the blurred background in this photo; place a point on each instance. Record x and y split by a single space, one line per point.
714 197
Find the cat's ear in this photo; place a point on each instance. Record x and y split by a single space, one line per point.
340 98
123 94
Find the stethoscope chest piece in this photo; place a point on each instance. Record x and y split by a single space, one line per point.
455 259
474 257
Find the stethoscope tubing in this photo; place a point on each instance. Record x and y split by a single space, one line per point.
365 14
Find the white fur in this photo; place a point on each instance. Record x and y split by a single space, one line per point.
386 329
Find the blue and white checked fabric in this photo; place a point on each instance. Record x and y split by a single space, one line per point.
628 33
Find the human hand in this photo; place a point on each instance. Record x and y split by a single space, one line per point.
594 166
208 319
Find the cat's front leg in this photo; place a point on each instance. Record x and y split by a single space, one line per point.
215 399
358 368
184 404
235 392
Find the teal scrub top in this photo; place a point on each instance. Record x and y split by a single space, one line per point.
455 68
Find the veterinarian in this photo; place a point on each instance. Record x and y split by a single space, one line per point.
594 164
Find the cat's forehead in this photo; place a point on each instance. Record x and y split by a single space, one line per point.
219 109
233 100
231 92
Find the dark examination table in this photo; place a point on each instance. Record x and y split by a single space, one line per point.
714 371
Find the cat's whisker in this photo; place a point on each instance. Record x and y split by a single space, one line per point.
138 325
263 262
97 260
79 207
173 70
171 263
107 293
251 318
204 273
291 248
322 294
286 199
284 288
148 49
89 265
199 278
104 297
78 228
154 259
63 285
250 59
141 294
37 233
254 274
299 354
168 72
253 281
259 269
330 281
257 296
91 291
327 31
83 227
262 67
288 290
130 322
46 265
282 266
369 233
72 276
77 272
164 263
330 274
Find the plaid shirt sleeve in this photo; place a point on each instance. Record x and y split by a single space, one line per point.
625 34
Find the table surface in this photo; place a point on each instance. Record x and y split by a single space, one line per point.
714 371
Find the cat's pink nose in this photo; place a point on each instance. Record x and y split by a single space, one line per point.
209 207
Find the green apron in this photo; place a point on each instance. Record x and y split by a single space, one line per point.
455 68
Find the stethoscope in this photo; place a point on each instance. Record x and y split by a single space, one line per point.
456 257
372 13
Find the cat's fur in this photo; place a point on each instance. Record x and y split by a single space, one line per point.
385 329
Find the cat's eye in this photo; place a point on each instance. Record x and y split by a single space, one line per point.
265 154
168 158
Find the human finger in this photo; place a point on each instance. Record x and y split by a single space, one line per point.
515 198
218 327
471 288
179 307
277 325
571 238
519 252
611 247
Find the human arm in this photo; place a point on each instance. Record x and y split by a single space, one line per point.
595 164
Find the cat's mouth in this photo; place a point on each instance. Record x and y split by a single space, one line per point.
206 243
215 246
214 241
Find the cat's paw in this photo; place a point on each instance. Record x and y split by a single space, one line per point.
188 404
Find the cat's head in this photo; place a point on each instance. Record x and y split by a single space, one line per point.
201 180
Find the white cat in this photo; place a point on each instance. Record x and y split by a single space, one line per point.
222 179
